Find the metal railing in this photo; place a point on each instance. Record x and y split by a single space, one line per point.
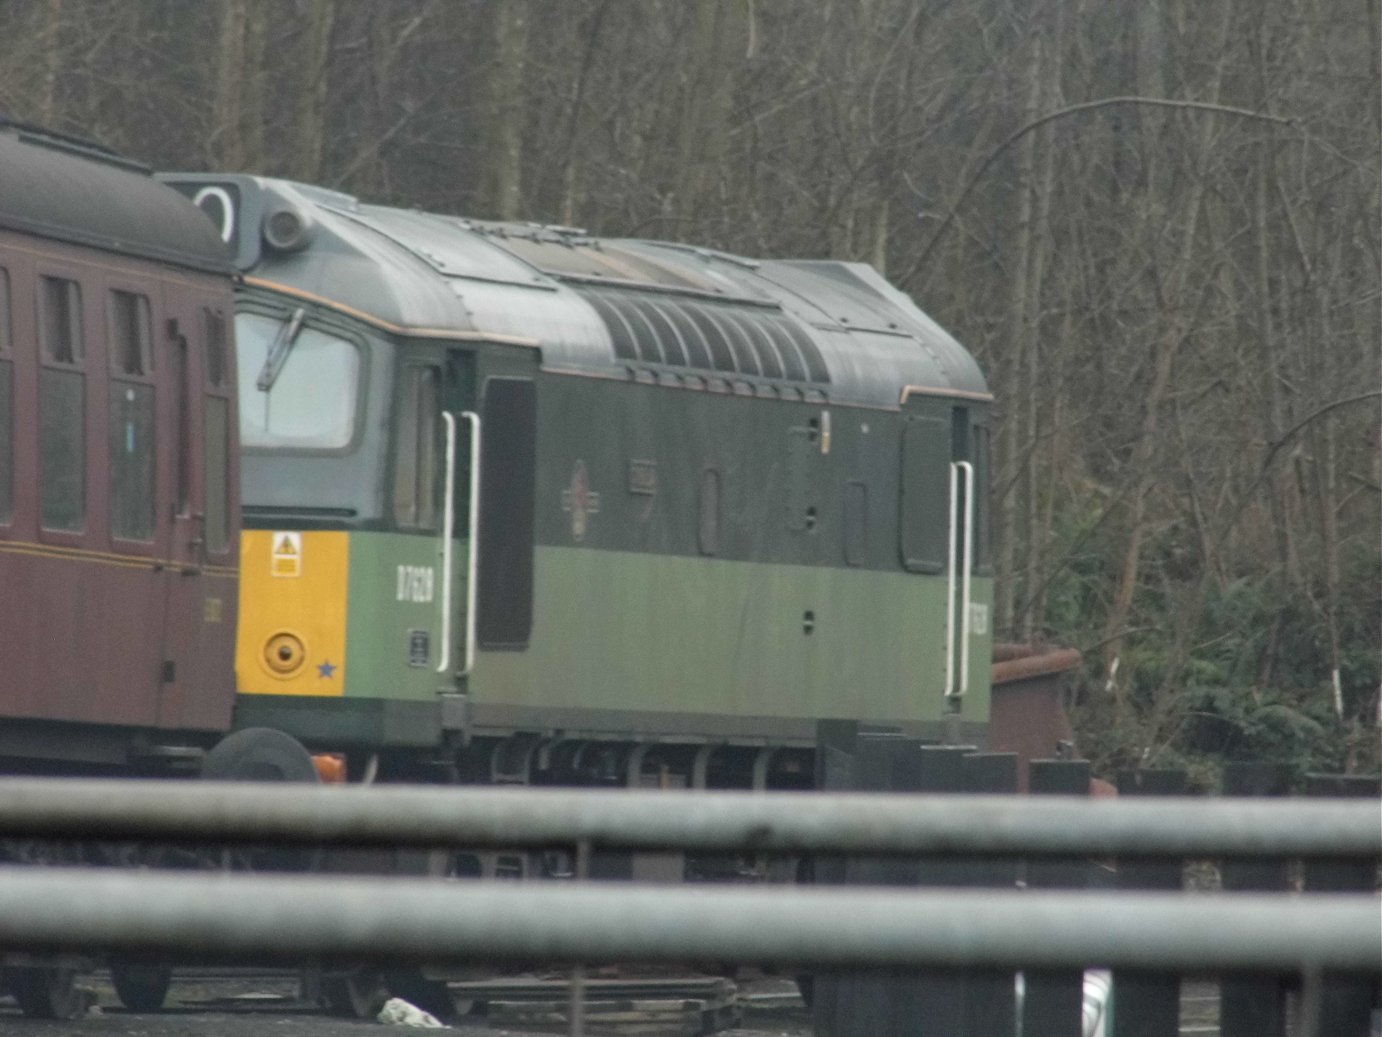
435 921
765 822
824 927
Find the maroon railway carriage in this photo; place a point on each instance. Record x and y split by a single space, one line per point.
119 491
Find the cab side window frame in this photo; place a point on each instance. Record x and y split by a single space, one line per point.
7 429
417 440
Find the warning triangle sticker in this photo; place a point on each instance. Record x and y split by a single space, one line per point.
286 547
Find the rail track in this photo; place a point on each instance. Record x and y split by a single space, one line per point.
237 1002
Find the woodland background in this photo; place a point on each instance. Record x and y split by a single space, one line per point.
1179 305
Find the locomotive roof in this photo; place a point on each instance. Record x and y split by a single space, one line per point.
594 305
65 189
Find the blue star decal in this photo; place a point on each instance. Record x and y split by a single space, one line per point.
326 670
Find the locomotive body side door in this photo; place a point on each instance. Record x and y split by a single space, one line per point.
941 506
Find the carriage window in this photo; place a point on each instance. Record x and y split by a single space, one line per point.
217 474
415 449
215 328
131 460
6 406
4 310
310 403
6 443
62 438
61 311
131 334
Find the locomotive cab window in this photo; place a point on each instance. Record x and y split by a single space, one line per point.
6 405
983 513
299 384
62 406
132 436
416 454
925 494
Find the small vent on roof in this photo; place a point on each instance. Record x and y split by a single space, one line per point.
709 336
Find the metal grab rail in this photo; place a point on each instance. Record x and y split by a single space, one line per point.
448 530
472 578
448 537
961 545
787 822
65 909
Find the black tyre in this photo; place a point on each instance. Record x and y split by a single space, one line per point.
141 988
48 993
263 754
259 754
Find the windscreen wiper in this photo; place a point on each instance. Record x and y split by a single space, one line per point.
278 352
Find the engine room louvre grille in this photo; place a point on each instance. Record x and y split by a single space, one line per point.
619 332
793 366
743 349
688 333
768 358
815 363
697 350
673 352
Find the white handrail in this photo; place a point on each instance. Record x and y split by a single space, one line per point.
448 530
472 581
966 563
967 566
951 549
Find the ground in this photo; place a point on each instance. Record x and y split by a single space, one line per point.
266 1006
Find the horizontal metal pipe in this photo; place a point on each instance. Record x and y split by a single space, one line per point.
382 919
789 822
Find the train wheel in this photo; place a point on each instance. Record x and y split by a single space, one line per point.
356 995
48 993
263 754
141 988
259 754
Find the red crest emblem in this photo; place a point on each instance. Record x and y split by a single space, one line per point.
580 500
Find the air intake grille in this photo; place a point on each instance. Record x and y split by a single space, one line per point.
708 336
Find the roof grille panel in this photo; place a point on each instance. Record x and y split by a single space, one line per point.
816 370
679 332
793 366
673 352
645 337
743 352
619 332
721 354
697 352
768 358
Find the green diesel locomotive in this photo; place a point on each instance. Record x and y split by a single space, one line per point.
524 505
